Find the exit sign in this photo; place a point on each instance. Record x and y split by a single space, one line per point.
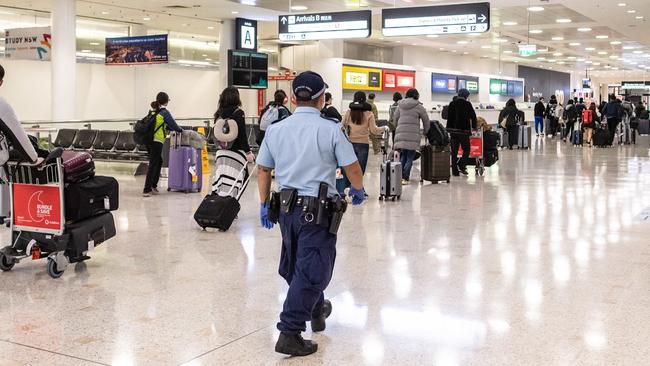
527 50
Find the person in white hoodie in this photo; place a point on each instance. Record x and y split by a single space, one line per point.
13 132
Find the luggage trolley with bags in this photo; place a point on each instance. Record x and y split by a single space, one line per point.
41 221
476 151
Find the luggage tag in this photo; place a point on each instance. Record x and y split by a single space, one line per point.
107 203
193 173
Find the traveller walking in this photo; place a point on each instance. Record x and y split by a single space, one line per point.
589 123
164 120
540 109
407 134
329 110
376 140
230 109
613 112
273 112
461 120
571 120
508 119
392 123
305 149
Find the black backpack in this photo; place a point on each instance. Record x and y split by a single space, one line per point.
145 129
437 134
445 112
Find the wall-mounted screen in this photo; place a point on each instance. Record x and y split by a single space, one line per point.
444 83
248 70
398 80
361 78
468 82
508 88
136 50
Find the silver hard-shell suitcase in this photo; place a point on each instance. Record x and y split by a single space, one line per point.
523 138
391 180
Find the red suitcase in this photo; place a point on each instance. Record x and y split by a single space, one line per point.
77 166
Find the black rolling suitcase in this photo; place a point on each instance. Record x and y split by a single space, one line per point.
84 236
436 164
91 197
220 211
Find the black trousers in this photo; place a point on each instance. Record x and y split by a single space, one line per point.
155 165
612 124
513 135
456 141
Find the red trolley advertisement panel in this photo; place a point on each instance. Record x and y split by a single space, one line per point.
475 148
37 208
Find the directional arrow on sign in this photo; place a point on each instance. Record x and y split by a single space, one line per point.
482 18
284 20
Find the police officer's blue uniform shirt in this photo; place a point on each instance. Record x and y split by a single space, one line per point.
305 149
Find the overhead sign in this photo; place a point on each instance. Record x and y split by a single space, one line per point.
28 44
246 34
635 85
137 50
361 78
526 50
442 19
307 27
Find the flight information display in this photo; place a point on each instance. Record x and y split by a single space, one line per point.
248 70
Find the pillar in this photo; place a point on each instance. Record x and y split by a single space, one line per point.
226 42
64 59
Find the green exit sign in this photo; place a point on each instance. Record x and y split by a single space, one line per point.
527 50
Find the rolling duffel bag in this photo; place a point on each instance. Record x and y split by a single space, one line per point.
91 197
77 166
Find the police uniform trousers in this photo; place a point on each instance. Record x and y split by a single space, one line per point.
306 263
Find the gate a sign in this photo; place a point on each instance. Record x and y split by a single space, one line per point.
246 34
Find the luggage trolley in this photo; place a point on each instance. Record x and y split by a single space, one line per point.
476 152
37 218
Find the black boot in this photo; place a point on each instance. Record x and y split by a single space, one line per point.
318 324
295 345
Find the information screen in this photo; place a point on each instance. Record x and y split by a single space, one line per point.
248 70
468 82
444 83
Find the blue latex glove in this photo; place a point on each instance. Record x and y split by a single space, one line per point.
264 216
357 195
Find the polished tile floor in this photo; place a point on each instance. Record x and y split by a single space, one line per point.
544 261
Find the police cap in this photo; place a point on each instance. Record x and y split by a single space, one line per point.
308 86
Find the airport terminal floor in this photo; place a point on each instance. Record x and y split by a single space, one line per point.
544 261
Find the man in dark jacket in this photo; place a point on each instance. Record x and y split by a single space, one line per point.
461 122
571 115
540 108
613 111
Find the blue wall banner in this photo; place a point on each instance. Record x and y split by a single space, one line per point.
139 50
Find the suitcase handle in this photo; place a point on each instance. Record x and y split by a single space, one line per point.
244 183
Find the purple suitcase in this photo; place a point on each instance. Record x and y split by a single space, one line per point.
183 160
77 165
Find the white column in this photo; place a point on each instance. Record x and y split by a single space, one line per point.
64 59
226 42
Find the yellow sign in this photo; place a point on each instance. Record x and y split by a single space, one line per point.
361 78
205 163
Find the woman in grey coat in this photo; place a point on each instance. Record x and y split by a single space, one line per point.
407 135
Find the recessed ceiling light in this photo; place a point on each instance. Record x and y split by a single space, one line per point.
541 58
500 40
208 59
454 51
615 68
622 4
441 48
536 8
571 57
551 61
465 53
581 59
638 52
557 54
615 42
563 20
557 38
510 23
234 12
146 18
639 17
536 31
433 36
590 49
628 47
486 47
561 62
94 43
602 36
105 13
596 63
631 11
414 44
589 62
507 51
299 8
574 44
86 51
584 29
602 52
462 42
613 57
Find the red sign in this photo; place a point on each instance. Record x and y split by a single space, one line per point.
281 77
37 206
398 80
475 147
260 101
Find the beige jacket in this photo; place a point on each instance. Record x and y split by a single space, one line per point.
360 134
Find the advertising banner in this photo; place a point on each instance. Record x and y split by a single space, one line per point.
444 83
362 78
398 80
468 82
28 44
140 50
37 207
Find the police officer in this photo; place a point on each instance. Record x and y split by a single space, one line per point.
305 149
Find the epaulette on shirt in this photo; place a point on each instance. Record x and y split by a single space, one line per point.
332 119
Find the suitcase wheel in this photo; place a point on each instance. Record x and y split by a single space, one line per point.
381 198
393 199
399 197
448 181
52 270
169 189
